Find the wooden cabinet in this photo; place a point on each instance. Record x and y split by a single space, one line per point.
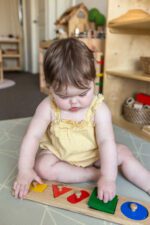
126 41
11 54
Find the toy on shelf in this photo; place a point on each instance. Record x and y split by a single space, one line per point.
137 110
74 22
96 18
99 66
120 210
145 63
72 18
143 98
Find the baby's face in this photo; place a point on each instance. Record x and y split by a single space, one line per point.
73 99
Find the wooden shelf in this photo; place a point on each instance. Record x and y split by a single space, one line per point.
12 68
140 26
136 75
131 127
9 40
11 55
122 77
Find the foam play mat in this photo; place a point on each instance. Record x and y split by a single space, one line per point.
16 212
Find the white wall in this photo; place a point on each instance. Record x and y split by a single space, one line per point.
101 5
41 20
9 19
54 8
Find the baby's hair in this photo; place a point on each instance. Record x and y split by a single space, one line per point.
69 62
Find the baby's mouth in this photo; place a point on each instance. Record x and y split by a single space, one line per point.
74 109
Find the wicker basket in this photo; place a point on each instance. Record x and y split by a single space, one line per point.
145 62
138 116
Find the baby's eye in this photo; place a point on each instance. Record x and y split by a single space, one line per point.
81 95
63 97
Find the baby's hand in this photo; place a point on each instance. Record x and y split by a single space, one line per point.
106 189
23 181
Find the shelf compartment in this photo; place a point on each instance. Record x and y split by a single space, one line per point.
11 53
11 56
135 75
131 127
9 40
12 68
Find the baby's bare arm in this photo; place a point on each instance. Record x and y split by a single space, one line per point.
29 147
108 153
36 129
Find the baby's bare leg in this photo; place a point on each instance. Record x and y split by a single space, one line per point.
132 168
49 167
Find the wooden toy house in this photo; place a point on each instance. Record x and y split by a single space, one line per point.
74 18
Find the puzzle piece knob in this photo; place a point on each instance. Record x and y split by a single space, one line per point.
78 194
133 207
60 186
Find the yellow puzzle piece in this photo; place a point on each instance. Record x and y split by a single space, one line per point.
38 187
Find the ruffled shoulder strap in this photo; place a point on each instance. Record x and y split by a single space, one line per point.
96 101
55 108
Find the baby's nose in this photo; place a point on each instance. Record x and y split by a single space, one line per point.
73 100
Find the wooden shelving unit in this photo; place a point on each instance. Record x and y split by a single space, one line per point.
126 42
11 54
134 27
135 75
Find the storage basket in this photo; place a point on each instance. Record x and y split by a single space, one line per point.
145 62
138 116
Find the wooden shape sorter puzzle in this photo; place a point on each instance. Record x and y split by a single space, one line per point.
120 210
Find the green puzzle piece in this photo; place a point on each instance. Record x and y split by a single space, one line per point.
98 204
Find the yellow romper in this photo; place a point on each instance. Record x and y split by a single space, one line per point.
72 141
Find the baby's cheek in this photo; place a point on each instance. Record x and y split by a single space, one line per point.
88 100
63 104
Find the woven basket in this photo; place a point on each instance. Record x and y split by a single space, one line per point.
145 62
138 116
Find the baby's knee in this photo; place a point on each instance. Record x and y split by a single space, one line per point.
124 153
43 167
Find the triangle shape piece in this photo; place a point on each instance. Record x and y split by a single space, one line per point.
59 189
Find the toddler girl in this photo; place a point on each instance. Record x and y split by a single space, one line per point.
70 137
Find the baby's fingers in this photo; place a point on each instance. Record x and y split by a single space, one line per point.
38 179
100 194
112 195
20 190
23 191
106 197
16 190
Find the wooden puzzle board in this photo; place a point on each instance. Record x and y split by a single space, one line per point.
46 197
